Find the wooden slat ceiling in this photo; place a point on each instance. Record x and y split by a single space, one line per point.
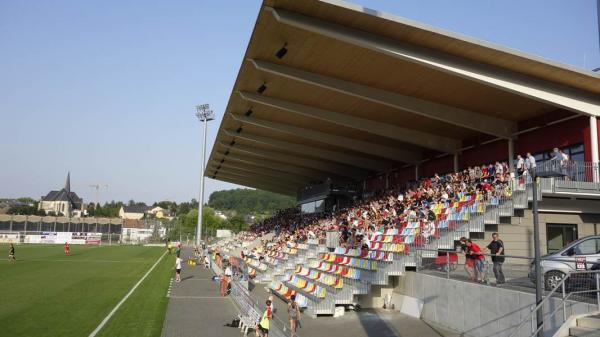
330 57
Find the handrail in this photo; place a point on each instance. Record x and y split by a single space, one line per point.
549 296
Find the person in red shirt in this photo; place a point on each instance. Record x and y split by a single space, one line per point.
477 254
67 249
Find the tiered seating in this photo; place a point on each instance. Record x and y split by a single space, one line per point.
255 264
351 273
305 286
321 277
278 255
376 255
349 261
286 293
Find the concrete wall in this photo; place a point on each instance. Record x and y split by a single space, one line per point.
474 309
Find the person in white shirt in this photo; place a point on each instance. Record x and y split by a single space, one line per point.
178 269
530 163
520 165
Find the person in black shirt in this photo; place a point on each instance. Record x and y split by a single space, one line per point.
11 253
496 248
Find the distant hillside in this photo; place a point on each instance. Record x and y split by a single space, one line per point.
247 201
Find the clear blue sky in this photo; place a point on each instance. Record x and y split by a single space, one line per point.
106 89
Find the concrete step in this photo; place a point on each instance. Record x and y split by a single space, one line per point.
584 332
589 322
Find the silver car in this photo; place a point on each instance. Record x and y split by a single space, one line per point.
583 254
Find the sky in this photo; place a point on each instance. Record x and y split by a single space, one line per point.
107 89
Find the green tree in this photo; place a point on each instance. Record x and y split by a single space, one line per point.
250 202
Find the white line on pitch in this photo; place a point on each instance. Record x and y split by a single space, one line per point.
105 320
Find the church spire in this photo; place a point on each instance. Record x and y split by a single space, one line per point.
68 183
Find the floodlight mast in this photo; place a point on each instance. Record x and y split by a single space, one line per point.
204 115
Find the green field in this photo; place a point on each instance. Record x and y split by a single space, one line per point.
46 293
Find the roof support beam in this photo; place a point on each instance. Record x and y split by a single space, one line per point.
336 156
258 179
241 168
299 160
405 135
340 141
270 188
441 112
523 85
313 174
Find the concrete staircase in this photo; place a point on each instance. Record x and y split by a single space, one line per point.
586 326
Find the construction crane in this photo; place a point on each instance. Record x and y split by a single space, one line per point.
97 187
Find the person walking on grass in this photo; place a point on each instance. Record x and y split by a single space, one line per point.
294 314
496 248
178 269
11 253
67 249
263 325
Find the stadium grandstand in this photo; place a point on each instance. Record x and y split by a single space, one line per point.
398 139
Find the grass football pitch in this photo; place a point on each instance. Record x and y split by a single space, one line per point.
45 293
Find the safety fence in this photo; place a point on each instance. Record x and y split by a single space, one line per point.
558 304
250 310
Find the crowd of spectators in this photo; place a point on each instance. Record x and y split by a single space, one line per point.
358 223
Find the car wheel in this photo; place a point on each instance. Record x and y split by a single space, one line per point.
553 279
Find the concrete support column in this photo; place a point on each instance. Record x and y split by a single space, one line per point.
594 148
387 181
455 162
511 155
417 173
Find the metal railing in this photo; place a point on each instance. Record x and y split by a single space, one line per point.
250 311
573 285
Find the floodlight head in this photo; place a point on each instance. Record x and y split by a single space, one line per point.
204 113
281 52
262 88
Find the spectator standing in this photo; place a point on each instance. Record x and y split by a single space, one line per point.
294 314
178 269
530 164
469 259
520 165
263 325
11 253
496 248
475 250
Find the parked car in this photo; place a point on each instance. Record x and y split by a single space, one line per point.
583 254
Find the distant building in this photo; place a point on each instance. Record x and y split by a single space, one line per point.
63 202
141 231
160 213
135 212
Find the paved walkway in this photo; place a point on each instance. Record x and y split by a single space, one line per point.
196 309
195 306
366 323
